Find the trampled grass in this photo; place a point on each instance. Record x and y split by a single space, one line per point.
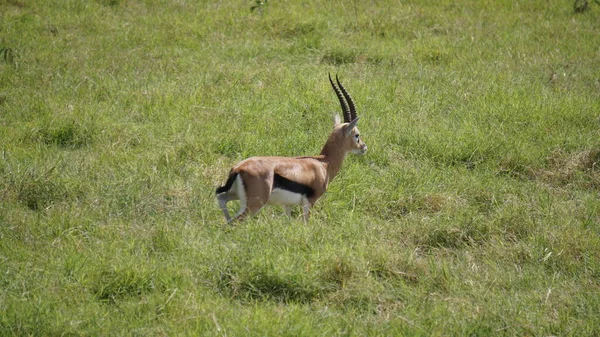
475 211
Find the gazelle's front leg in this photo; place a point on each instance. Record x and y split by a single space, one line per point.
305 210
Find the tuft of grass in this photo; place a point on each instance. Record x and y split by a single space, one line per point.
35 188
566 168
164 241
339 272
67 134
110 3
262 285
339 57
8 55
117 284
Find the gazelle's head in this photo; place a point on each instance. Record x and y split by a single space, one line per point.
347 133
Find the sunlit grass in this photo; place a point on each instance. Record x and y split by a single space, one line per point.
473 213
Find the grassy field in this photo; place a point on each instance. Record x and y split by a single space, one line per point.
476 210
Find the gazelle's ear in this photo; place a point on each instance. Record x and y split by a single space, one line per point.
351 126
336 120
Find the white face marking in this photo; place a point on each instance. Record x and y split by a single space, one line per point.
361 147
284 197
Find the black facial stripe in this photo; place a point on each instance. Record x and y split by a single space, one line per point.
292 186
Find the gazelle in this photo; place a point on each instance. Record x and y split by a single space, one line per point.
258 181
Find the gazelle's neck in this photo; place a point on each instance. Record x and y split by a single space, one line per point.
333 155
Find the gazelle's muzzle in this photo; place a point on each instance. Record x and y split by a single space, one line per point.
363 149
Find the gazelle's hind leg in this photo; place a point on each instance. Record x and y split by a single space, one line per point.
288 210
236 192
252 207
223 199
251 204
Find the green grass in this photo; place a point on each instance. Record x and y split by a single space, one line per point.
475 211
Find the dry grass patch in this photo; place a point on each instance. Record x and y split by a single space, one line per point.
564 168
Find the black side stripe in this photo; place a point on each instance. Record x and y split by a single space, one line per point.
292 186
228 184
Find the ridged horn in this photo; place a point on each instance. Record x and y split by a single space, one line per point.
345 110
349 100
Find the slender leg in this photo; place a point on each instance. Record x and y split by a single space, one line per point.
305 210
288 210
255 200
242 213
306 213
223 199
252 207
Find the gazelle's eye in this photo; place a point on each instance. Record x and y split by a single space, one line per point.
356 136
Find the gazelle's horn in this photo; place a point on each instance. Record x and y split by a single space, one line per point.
349 100
345 110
